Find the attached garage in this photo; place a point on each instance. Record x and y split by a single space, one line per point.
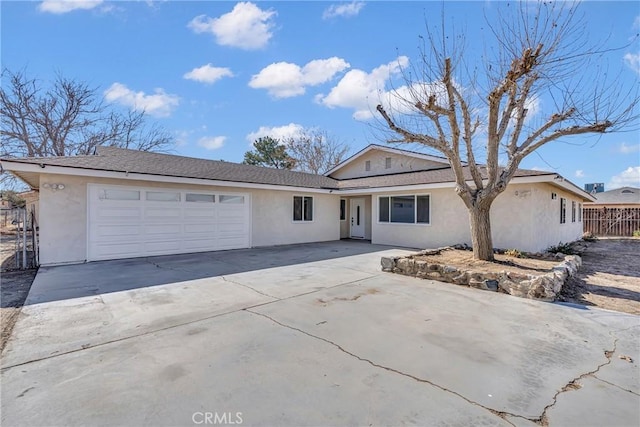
127 221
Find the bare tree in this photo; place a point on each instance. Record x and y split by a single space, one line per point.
479 113
315 151
69 118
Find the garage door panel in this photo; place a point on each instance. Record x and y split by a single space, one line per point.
117 231
128 224
116 214
162 213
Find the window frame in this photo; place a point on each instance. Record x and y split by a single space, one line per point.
387 163
343 209
304 199
573 211
415 209
367 166
579 212
563 210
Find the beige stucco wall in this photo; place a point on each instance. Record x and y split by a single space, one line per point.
399 163
63 216
528 220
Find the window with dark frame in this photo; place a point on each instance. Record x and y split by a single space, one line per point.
573 211
579 212
343 210
563 210
412 209
303 208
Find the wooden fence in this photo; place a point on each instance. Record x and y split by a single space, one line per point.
611 221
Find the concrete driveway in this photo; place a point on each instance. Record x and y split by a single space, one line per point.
307 335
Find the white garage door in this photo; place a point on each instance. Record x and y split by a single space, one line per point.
130 222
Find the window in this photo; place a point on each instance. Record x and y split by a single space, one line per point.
343 210
563 210
367 165
387 163
579 212
573 211
163 196
405 209
231 199
120 195
199 198
302 208
554 196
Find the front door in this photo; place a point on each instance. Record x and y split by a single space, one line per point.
357 218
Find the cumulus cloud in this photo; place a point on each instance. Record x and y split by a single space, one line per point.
158 104
360 90
628 149
212 142
64 6
580 173
208 74
284 79
629 177
292 130
345 10
246 26
633 61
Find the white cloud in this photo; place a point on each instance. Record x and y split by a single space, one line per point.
246 26
361 90
208 74
633 61
580 173
159 104
282 133
284 79
636 22
628 149
64 6
346 10
629 177
212 142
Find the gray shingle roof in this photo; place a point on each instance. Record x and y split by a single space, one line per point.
143 162
619 195
431 176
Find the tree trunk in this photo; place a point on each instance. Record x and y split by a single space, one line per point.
481 240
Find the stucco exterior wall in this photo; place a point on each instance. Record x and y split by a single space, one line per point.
524 217
63 216
399 163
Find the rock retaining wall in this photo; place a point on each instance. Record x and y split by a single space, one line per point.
541 287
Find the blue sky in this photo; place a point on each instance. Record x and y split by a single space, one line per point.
219 74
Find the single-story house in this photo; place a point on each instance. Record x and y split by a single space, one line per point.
613 213
123 203
625 197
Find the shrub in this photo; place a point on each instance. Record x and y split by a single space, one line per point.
563 248
636 233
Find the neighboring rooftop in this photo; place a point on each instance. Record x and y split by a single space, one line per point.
624 195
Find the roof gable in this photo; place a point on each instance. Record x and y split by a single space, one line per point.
401 161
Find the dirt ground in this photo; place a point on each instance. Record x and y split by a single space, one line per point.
609 277
463 260
14 286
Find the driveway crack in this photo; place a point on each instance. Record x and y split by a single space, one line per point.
573 384
502 414
615 385
249 287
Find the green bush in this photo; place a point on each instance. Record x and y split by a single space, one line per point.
564 248
636 233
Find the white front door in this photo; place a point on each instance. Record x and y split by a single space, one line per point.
356 213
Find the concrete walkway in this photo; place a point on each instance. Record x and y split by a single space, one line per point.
307 335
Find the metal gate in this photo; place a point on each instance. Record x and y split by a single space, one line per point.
611 221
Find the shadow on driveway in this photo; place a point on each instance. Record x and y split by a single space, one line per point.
95 278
